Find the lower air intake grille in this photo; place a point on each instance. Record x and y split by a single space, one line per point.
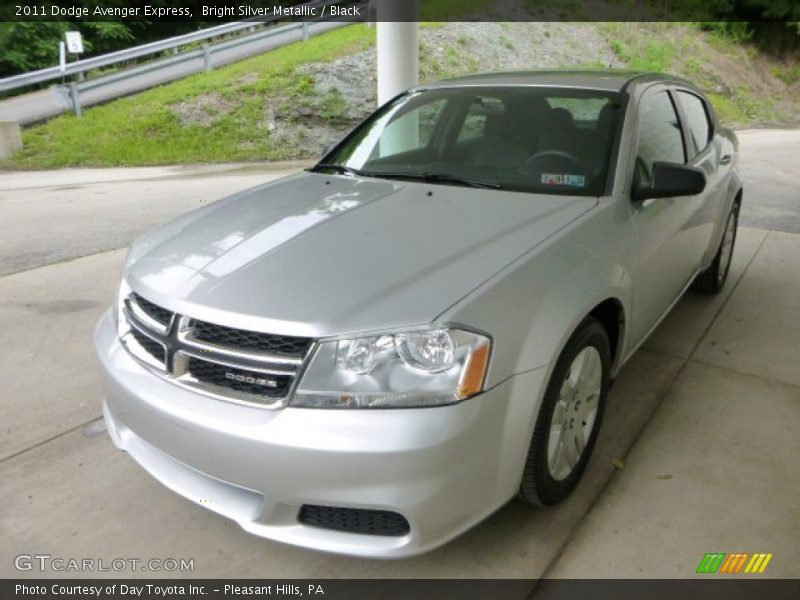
354 520
239 339
153 348
240 380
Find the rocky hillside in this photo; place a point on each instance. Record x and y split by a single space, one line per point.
293 102
747 87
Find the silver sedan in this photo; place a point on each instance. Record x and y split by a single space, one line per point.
373 355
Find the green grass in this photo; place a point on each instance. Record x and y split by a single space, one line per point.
654 47
727 109
234 103
146 130
656 56
452 10
788 75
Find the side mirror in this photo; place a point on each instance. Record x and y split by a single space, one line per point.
670 180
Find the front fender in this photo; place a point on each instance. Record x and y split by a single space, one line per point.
534 305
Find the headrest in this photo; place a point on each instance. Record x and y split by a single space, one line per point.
560 120
603 125
497 124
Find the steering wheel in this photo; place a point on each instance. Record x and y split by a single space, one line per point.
559 158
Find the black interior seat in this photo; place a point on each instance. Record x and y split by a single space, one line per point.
499 148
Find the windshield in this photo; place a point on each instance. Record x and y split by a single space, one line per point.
530 139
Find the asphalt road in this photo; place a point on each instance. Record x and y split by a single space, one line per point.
770 168
51 216
43 104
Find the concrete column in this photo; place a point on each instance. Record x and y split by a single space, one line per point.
398 47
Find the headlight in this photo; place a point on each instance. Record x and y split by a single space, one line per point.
431 367
122 322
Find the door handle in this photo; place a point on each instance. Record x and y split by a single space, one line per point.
725 159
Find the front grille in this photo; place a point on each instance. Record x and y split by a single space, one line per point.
232 364
155 312
354 520
152 347
239 380
239 339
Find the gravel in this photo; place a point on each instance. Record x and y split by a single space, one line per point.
445 51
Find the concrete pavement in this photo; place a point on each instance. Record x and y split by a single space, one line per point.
703 421
68 492
769 168
52 216
718 468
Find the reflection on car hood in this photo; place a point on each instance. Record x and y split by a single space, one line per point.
325 255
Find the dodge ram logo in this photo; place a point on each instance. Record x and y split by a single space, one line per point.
250 379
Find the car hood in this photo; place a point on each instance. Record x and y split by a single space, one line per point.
322 255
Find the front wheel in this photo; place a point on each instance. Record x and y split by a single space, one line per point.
713 279
570 416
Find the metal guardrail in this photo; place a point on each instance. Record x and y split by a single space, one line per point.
70 94
80 67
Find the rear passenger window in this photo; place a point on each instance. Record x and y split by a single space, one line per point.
660 136
697 118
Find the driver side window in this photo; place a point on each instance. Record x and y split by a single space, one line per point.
660 136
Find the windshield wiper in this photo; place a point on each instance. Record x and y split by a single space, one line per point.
427 177
341 169
440 178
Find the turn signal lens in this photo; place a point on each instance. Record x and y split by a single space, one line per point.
474 375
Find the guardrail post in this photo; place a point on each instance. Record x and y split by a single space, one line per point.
10 138
305 31
207 57
75 95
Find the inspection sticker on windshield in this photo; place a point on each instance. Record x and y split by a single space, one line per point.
563 179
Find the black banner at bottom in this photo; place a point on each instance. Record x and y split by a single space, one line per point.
401 589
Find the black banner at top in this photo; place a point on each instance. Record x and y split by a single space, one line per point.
221 11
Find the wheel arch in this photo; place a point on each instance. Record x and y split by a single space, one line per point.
611 315
735 195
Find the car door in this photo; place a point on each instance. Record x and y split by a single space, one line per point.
668 230
711 154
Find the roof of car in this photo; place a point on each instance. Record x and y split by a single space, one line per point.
602 79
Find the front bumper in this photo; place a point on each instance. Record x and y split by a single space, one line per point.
444 469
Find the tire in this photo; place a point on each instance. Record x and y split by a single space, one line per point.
549 477
713 279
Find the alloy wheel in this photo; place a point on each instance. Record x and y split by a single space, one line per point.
726 252
575 413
